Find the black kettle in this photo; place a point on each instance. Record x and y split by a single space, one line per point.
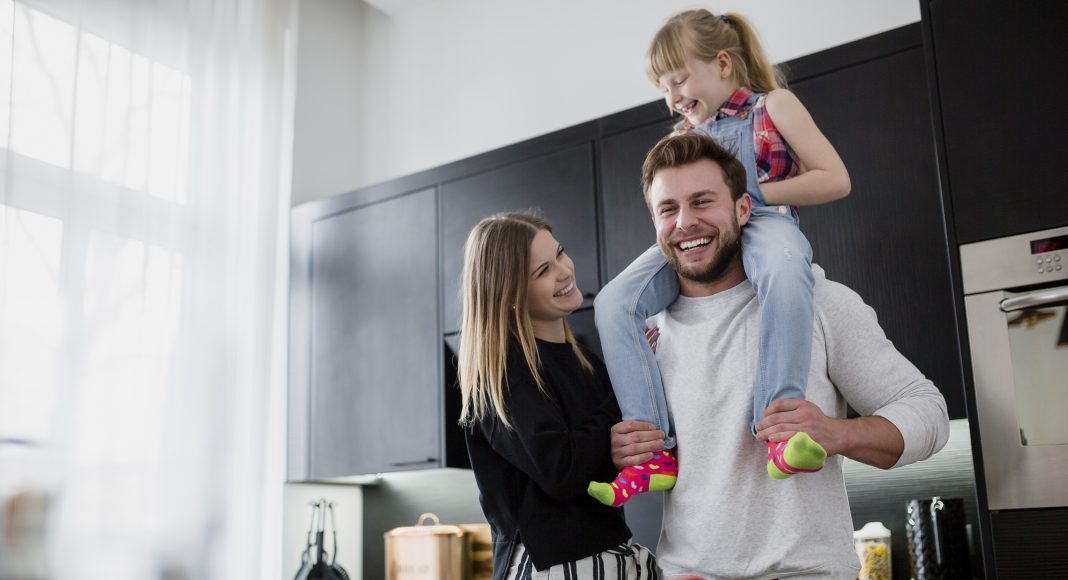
938 539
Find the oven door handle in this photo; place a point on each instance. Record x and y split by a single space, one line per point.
1035 300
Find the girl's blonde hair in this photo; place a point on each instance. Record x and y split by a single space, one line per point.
702 35
494 292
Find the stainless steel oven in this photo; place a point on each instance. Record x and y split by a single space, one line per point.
1016 298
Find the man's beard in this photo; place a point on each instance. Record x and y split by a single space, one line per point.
730 244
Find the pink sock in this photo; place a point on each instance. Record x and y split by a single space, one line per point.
638 479
775 455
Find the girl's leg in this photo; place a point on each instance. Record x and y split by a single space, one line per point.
778 261
646 287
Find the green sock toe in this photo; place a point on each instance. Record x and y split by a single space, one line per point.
775 473
803 453
661 482
601 492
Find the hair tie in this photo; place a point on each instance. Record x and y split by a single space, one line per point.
725 19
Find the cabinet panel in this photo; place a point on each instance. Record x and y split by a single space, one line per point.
887 240
997 69
1030 543
560 186
628 227
375 343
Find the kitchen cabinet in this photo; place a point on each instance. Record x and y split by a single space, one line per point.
998 72
558 186
887 240
368 290
1030 543
627 224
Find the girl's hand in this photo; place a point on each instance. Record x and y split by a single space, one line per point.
652 334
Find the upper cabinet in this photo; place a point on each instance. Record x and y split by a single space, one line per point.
559 186
368 358
887 239
627 223
999 73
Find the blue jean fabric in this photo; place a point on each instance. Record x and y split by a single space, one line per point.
778 261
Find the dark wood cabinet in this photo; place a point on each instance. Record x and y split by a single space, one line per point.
559 186
373 342
999 74
887 240
627 224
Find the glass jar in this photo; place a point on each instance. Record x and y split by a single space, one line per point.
872 543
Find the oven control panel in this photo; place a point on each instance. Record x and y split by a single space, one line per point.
1014 261
1050 263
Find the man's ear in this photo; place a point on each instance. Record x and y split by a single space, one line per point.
743 208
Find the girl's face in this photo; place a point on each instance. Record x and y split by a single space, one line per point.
551 290
700 88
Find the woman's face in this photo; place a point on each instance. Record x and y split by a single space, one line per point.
551 290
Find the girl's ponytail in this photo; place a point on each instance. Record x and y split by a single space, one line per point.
763 77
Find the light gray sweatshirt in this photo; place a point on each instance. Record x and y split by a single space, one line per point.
726 518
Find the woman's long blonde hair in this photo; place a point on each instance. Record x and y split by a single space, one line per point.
494 294
703 35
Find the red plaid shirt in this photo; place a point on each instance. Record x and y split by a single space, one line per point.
774 158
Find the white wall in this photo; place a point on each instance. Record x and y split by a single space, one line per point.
446 79
327 149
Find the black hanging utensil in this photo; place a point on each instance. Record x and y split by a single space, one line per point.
321 569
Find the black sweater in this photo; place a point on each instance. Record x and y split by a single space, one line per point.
532 479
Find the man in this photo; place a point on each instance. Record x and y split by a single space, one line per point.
725 517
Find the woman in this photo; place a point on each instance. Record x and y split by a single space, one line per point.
539 409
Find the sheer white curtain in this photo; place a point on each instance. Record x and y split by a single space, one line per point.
144 193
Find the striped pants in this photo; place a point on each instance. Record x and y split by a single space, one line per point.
624 562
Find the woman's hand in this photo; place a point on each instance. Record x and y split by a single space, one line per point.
652 334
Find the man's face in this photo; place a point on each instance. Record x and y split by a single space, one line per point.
698 225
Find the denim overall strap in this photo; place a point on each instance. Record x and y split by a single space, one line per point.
778 261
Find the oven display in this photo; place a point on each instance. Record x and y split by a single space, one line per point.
1049 245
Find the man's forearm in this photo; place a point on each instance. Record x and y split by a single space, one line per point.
873 441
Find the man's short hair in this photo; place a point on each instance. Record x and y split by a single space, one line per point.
678 149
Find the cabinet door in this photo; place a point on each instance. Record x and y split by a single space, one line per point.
628 226
886 240
559 186
375 343
1030 543
1000 77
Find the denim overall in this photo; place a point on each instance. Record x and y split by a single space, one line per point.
778 261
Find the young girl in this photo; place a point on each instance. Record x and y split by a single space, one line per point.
713 72
539 410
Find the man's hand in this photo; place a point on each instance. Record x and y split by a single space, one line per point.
871 440
634 442
785 417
